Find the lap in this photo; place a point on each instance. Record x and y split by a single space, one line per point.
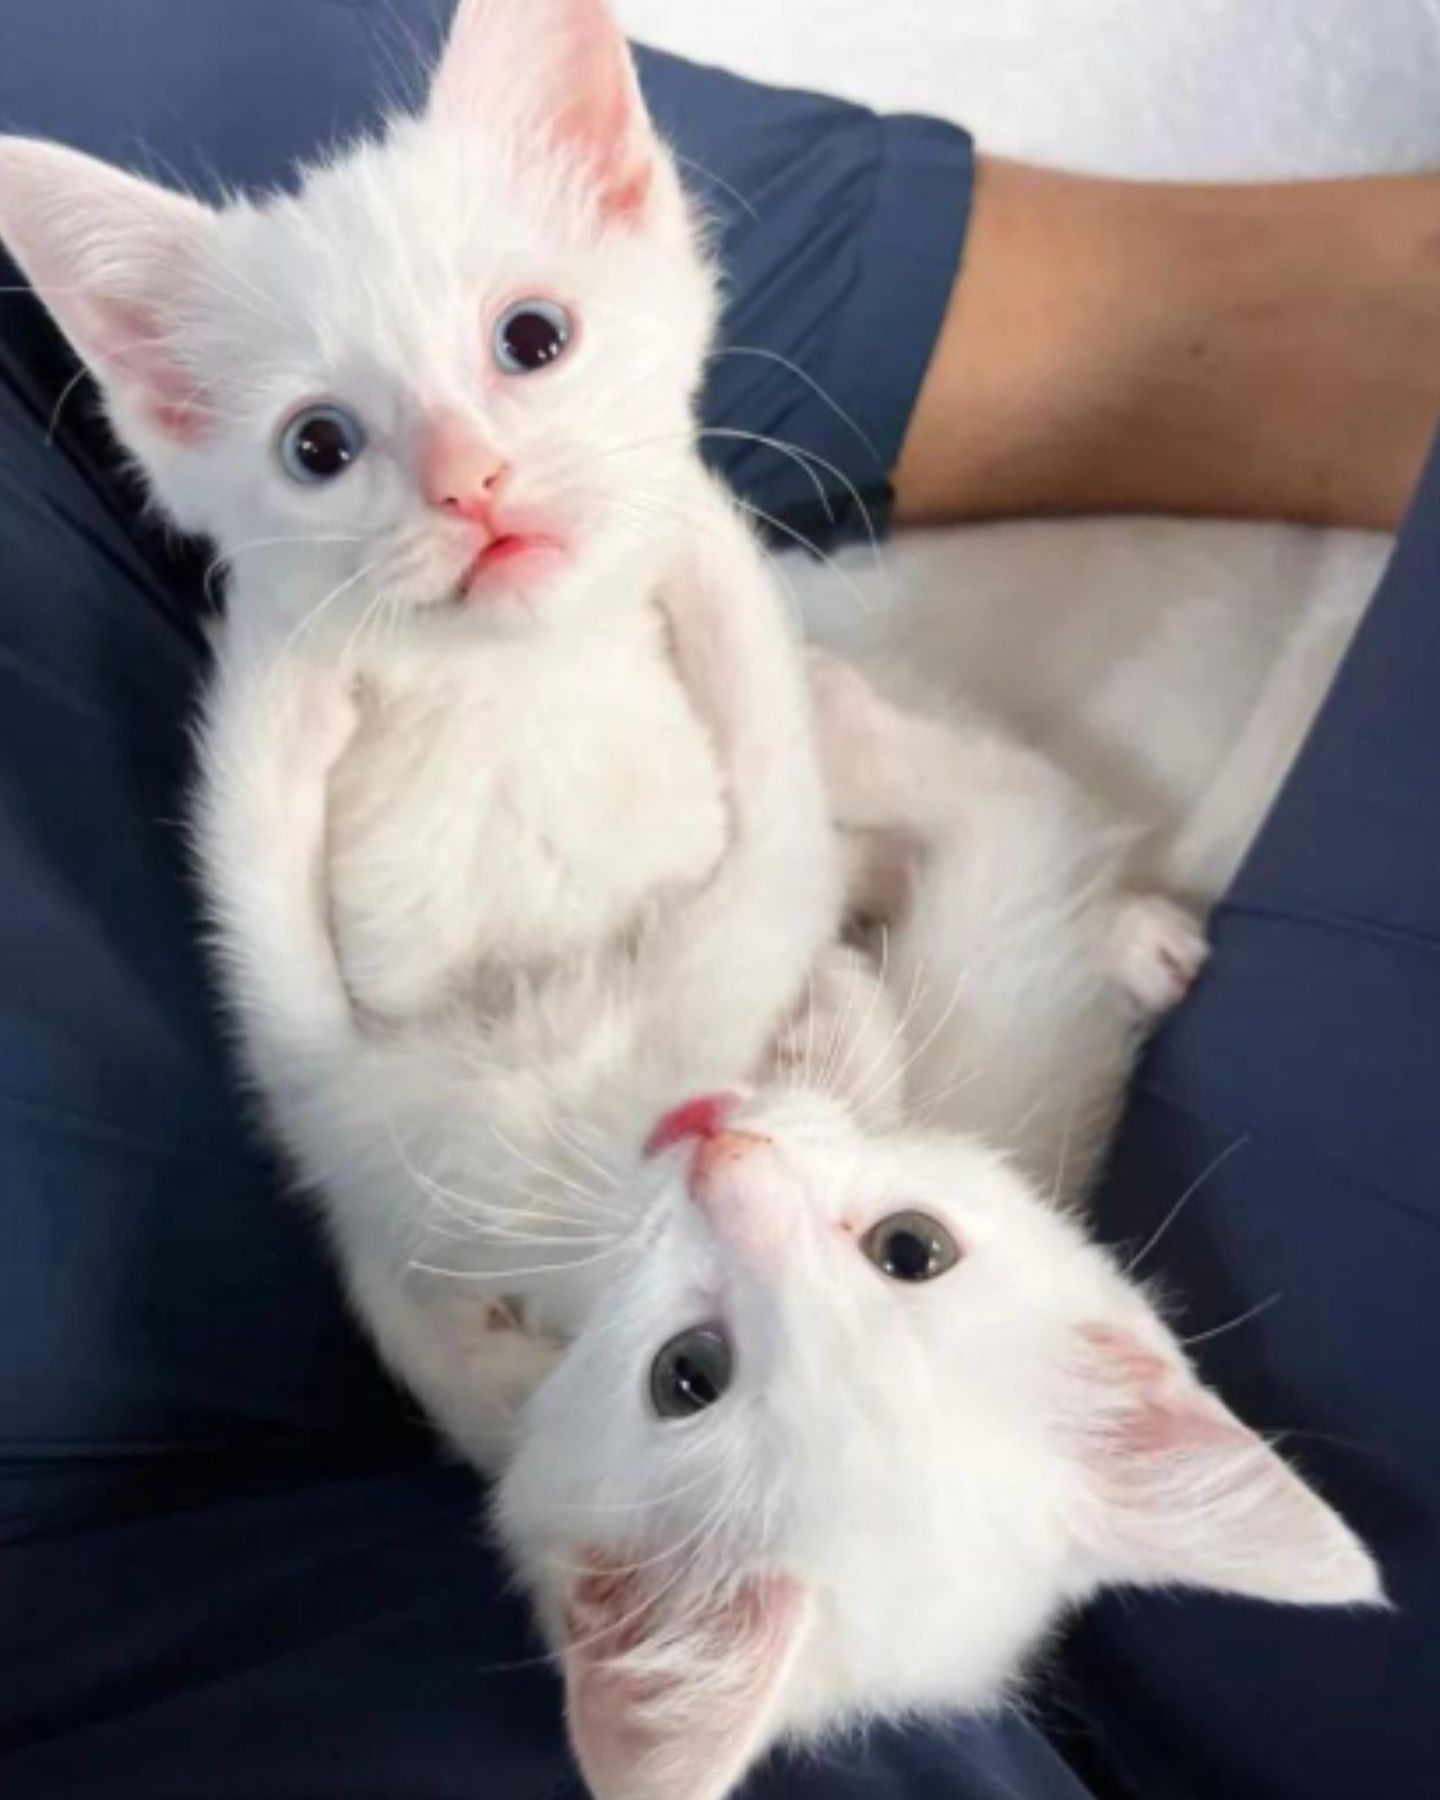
1281 1142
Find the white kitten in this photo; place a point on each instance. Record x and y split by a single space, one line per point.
866 1414
507 711
436 410
863 1421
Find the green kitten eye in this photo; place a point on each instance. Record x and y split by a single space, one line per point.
320 443
911 1246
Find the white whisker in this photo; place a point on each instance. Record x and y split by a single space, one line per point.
1154 1240
548 1174
1244 1318
809 380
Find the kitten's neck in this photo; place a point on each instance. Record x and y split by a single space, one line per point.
448 658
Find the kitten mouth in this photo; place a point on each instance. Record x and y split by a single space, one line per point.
513 554
695 1122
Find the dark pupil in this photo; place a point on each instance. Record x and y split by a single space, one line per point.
323 446
690 1373
695 1384
908 1256
532 340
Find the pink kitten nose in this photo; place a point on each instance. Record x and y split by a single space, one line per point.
459 472
721 1180
726 1185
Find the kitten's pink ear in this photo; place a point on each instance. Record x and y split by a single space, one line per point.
560 67
108 254
1188 1495
674 1705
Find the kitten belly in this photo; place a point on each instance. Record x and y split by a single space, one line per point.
515 818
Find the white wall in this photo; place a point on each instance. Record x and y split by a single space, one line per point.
1222 88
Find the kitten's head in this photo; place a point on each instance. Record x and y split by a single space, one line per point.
861 1420
452 379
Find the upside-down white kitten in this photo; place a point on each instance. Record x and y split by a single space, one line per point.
1021 956
507 766
866 1414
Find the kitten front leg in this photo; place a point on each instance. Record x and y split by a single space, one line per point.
734 958
273 731
273 734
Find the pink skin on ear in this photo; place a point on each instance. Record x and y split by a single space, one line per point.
172 404
109 255
672 1697
1161 1409
1189 1495
563 64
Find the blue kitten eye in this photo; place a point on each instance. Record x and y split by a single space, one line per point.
690 1373
320 443
531 335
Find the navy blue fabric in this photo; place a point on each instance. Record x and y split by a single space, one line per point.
1293 1106
231 1565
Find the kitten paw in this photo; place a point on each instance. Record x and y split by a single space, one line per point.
1158 950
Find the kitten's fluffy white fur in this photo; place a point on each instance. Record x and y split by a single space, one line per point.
572 849
541 813
903 1485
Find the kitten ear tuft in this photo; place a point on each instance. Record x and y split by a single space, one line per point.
672 1697
563 68
108 253
1189 1495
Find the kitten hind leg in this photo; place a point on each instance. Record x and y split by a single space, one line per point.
878 760
1157 949
889 772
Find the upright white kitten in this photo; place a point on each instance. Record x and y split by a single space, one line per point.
437 412
867 1414
507 767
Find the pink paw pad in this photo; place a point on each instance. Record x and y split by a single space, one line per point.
1159 950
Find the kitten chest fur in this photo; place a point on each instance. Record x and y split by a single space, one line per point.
512 804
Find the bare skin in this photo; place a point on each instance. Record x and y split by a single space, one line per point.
1267 350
